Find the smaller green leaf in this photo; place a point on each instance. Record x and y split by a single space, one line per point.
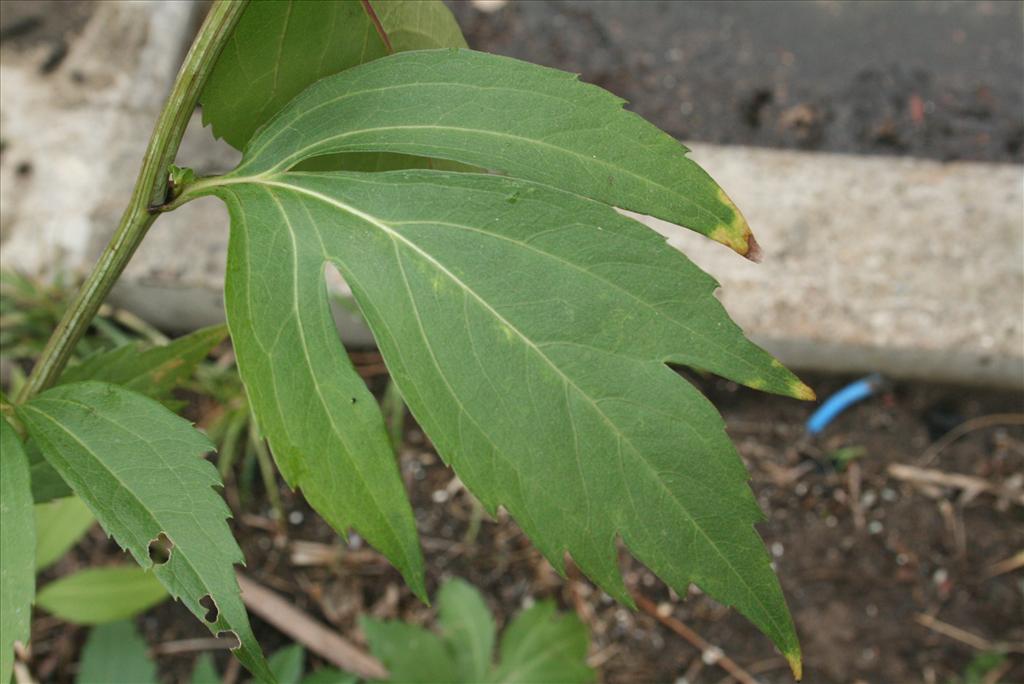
100 595
115 654
411 654
286 664
542 647
140 470
17 547
330 675
204 671
59 526
468 628
153 372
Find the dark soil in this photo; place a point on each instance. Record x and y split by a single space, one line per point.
932 79
857 568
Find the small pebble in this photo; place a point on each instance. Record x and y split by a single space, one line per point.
778 549
711 655
296 517
871 610
439 496
875 527
889 494
940 576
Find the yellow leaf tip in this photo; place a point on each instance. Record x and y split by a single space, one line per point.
803 392
736 233
796 664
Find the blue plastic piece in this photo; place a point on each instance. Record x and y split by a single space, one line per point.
842 400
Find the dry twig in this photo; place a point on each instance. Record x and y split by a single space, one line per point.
854 480
965 637
979 423
1014 562
191 645
971 486
309 632
709 652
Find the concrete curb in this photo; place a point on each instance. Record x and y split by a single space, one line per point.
908 267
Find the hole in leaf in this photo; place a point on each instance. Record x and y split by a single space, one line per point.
210 605
160 549
231 639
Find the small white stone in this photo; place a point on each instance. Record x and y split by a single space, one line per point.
711 655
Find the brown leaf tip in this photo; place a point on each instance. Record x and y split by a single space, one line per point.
754 252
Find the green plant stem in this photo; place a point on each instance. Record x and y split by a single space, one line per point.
150 189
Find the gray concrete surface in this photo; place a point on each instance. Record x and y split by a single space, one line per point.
910 267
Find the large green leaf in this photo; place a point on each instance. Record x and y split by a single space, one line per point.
528 330
499 113
115 654
542 647
98 595
279 48
140 470
17 547
59 525
468 628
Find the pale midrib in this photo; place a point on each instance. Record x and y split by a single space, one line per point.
395 235
263 145
304 152
610 283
